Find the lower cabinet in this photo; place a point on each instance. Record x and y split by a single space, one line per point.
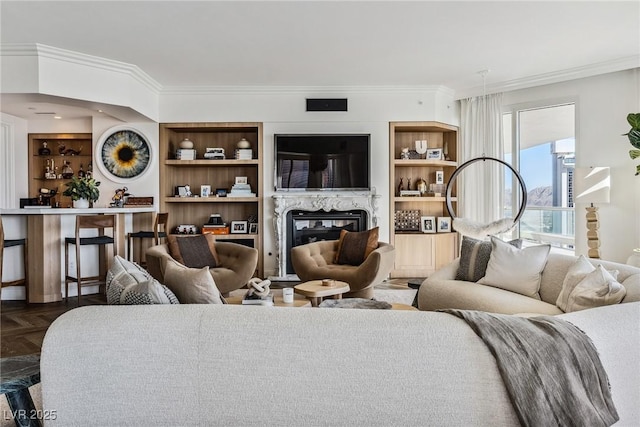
419 255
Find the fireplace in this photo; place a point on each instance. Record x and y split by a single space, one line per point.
305 227
357 210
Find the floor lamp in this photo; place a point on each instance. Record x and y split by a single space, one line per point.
592 186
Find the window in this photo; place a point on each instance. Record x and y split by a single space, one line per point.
540 144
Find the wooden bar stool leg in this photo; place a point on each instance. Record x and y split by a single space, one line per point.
66 273
26 271
79 276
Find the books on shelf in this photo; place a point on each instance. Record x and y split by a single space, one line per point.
241 190
256 300
185 154
244 154
215 229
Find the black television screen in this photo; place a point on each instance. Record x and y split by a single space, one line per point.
322 162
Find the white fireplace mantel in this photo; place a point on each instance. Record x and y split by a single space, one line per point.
313 202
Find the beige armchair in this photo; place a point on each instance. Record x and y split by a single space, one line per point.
314 261
238 265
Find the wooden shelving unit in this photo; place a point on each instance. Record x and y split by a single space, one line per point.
216 173
57 143
420 254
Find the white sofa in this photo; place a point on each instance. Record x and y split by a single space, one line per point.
207 365
441 290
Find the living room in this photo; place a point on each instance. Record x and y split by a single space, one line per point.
74 74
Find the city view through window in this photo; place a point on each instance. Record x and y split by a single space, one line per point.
544 142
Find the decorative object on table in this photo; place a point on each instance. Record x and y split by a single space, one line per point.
205 190
123 154
592 185
421 147
439 177
421 186
239 227
253 228
287 295
634 137
444 224
404 154
80 189
186 144
259 292
214 153
428 224
434 154
67 171
407 220
328 282
44 150
119 197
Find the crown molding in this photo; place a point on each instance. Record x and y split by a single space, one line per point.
304 90
615 65
55 53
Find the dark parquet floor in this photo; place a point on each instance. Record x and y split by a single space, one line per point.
22 325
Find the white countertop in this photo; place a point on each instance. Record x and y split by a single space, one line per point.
73 211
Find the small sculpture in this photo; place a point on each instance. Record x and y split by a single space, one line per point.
400 186
118 198
258 288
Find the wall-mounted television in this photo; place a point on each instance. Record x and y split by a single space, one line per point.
317 162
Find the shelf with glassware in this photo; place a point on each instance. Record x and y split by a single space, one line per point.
422 159
54 158
213 169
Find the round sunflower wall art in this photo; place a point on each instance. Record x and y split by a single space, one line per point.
123 153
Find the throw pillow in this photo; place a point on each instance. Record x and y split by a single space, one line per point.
598 288
516 270
194 251
474 257
121 274
586 286
355 246
149 292
191 285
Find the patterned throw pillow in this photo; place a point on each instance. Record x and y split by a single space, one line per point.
121 274
355 247
149 292
194 251
474 257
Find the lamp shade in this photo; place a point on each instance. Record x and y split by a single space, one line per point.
592 185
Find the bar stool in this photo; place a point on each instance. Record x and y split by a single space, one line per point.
96 222
10 243
161 220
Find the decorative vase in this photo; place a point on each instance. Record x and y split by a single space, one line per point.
186 143
44 150
243 143
81 204
634 258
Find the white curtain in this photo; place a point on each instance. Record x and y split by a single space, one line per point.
481 185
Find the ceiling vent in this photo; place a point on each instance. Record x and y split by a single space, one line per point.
326 104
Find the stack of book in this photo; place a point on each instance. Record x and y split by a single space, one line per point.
185 154
244 154
241 190
256 300
215 229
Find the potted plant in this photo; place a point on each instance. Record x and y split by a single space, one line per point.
634 137
82 191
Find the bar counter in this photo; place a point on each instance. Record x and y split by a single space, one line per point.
46 231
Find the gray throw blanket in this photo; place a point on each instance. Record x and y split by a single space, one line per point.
550 368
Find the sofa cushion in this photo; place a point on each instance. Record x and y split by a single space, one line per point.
148 292
194 251
516 270
191 285
586 286
355 246
121 274
474 257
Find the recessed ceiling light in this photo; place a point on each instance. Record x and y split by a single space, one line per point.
57 117
100 111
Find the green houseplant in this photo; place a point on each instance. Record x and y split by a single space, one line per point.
634 137
82 189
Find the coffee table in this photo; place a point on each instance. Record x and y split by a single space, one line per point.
277 300
314 290
18 374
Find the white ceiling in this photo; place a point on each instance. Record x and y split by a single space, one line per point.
337 43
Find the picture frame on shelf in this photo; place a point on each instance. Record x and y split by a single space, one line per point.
241 180
239 227
444 224
221 192
439 177
434 154
205 190
428 224
182 191
253 228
